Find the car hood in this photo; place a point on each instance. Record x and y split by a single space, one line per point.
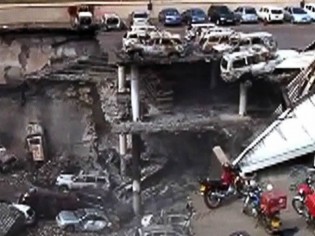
251 15
301 16
65 177
67 216
199 16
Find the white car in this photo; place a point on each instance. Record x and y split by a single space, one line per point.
139 18
111 21
92 179
271 14
310 9
28 213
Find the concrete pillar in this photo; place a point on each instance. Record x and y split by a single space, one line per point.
121 79
136 174
243 99
214 74
135 93
123 152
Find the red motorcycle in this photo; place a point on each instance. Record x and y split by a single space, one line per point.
230 184
303 190
304 202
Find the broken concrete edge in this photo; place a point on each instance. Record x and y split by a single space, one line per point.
181 126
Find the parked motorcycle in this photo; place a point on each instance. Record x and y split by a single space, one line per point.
251 203
230 184
304 189
265 206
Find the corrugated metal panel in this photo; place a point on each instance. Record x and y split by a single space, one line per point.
290 136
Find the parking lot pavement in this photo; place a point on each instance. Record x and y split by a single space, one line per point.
229 217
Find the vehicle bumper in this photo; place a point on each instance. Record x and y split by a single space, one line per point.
249 20
173 22
301 21
196 20
228 21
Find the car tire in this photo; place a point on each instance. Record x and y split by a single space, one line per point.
63 188
70 228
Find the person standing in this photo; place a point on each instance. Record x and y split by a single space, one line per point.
302 3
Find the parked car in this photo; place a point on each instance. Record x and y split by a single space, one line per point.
240 233
271 14
296 15
87 219
8 161
161 230
170 47
170 16
310 9
246 14
28 212
193 16
221 14
47 204
139 18
111 21
93 179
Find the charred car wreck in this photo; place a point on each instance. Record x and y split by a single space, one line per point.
111 21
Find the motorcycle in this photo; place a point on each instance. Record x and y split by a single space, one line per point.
251 203
230 184
304 189
265 206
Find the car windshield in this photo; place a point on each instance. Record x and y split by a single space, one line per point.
80 213
171 12
250 11
197 12
223 9
140 15
276 11
297 10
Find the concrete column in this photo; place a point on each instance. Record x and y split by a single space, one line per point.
123 152
243 99
121 79
135 93
214 74
136 173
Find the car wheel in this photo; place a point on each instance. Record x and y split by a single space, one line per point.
70 228
292 21
63 188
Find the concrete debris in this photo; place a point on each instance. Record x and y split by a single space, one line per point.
11 220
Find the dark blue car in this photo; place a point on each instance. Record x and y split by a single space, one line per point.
194 16
170 16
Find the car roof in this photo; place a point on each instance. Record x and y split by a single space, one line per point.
169 9
94 212
238 55
273 7
140 12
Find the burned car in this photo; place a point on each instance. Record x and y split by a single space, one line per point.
111 21
92 179
195 30
8 161
176 219
157 47
243 40
215 41
47 204
237 64
35 142
134 37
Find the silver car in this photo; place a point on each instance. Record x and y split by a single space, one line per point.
165 230
83 220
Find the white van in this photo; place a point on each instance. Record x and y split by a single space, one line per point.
310 9
271 14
